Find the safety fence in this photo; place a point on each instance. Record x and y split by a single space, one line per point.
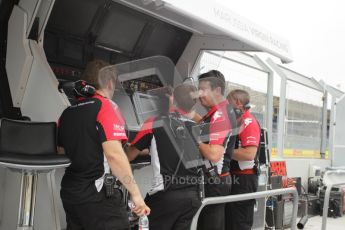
249 196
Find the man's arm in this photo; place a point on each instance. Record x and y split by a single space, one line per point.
119 165
197 117
245 154
132 152
211 152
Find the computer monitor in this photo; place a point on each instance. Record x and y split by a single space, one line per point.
125 104
152 103
145 106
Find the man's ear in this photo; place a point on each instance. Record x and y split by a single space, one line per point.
110 85
219 90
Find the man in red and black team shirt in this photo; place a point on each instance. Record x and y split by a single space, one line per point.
217 130
173 197
91 133
239 215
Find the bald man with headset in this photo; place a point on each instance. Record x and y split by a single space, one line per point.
240 215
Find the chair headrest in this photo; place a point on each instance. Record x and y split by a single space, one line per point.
26 137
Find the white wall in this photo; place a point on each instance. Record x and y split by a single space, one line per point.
300 168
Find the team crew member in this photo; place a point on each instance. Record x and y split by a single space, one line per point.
173 197
217 128
90 133
239 215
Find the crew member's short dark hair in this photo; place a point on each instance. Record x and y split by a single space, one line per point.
92 71
216 79
184 98
241 95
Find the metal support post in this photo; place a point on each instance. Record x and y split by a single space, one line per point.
27 201
326 203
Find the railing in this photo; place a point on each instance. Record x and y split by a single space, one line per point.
249 196
326 203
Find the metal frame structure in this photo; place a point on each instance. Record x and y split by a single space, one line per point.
287 74
249 196
257 63
282 107
269 121
253 62
335 94
339 179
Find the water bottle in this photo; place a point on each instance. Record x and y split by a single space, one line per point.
143 223
131 216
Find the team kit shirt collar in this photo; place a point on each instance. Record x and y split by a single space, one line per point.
216 107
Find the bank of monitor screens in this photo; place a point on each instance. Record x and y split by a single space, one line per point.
151 103
123 100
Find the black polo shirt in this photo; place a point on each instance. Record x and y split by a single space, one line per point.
82 129
165 155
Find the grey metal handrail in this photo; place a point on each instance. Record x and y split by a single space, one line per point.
249 196
326 203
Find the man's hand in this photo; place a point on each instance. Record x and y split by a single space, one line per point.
120 167
140 208
60 150
245 154
132 152
213 153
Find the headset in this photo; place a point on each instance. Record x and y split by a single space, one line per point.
83 89
247 106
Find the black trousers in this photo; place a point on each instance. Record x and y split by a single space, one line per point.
173 209
107 214
212 217
240 215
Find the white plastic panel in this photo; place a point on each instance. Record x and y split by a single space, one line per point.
197 43
30 8
43 13
218 21
244 58
18 57
301 79
42 100
339 134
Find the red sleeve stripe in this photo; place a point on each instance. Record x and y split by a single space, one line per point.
112 121
145 129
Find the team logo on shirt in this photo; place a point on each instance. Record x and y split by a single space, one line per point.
118 127
251 140
119 134
247 121
216 115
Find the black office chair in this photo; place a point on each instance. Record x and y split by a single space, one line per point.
29 148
